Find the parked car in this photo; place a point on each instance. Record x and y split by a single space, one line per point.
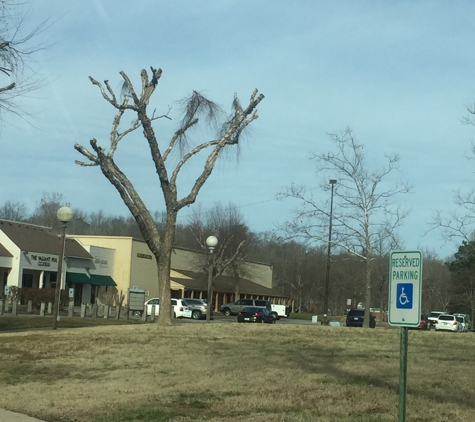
178 306
467 321
195 308
148 306
464 322
424 324
255 314
234 308
432 317
355 318
447 322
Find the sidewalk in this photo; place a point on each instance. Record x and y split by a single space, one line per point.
7 416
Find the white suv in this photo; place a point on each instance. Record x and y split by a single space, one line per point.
432 318
448 323
177 304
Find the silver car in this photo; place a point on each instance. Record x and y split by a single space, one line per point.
234 308
195 308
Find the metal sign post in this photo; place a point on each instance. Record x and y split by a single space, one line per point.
405 292
403 375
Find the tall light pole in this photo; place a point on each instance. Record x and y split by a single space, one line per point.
211 242
327 276
64 215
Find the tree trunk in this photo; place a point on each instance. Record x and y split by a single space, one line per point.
164 260
382 314
367 309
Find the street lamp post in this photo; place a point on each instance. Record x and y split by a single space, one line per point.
327 276
64 215
211 242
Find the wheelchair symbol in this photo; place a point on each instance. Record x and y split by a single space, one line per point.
404 294
403 299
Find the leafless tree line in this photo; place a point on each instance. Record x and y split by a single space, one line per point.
298 269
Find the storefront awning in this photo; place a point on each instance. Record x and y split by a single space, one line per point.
102 280
77 278
95 280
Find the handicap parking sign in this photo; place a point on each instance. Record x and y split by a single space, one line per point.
404 295
405 288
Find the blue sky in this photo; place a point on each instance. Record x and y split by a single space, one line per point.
399 73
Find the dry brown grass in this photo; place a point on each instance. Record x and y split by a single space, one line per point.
233 372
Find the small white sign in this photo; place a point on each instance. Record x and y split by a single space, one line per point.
405 288
71 293
7 290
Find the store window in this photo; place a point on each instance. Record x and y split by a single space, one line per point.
27 280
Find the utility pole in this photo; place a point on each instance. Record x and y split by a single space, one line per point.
327 276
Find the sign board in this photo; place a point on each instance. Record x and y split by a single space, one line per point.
7 290
71 293
136 299
405 288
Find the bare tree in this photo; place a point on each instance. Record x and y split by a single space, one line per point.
45 214
195 107
13 211
463 279
18 43
363 206
300 280
46 209
382 249
459 225
235 239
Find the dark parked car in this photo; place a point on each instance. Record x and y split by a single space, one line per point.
355 318
253 314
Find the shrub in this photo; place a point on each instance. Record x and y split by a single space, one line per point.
37 296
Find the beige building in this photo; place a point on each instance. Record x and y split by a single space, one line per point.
102 268
134 264
135 267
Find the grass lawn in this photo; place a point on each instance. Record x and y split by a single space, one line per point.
234 372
